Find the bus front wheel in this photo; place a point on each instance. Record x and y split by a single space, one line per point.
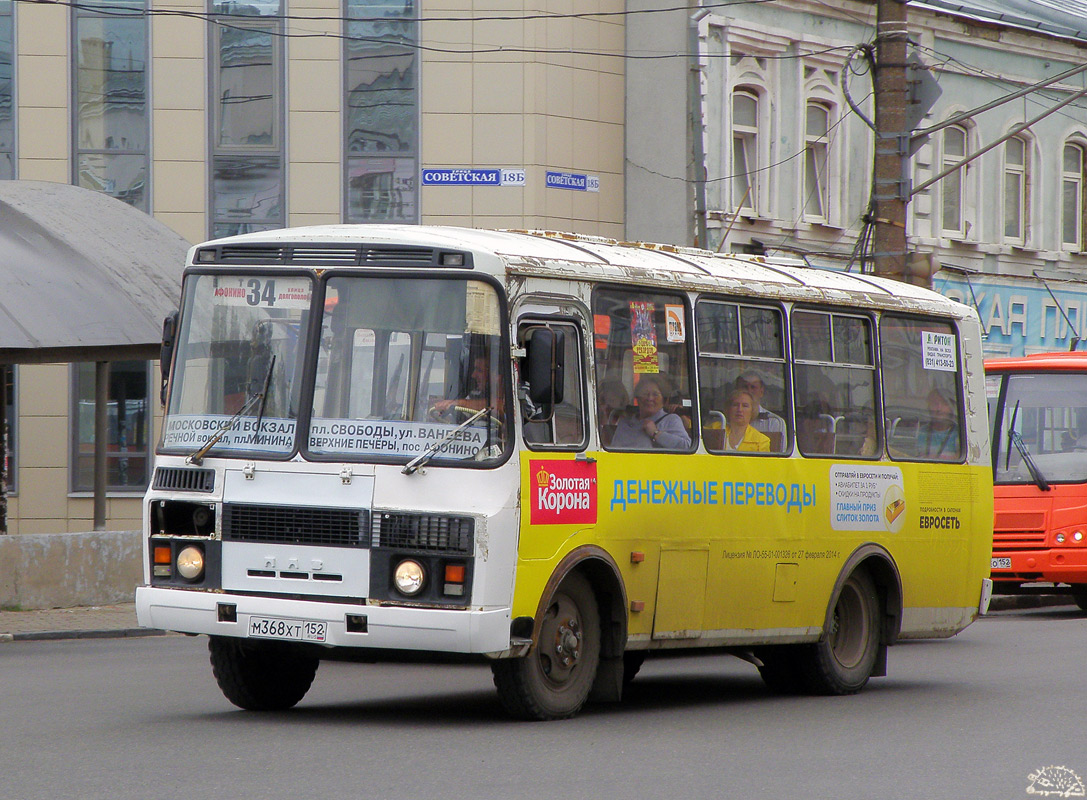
261 676
1079 595
842 662
554 679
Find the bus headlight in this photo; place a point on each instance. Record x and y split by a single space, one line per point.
190 563
408 577
1060 538
1077 536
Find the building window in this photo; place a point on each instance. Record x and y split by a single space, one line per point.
952 186
7 375
816 128
381 111
1015 189
745 149
109 84
7 87
1072 197
247 109
128 425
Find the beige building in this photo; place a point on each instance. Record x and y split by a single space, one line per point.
242 116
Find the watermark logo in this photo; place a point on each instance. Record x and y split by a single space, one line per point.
1056 782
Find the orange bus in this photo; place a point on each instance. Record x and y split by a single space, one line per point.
1038 410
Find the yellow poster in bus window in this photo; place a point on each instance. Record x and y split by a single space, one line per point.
643 338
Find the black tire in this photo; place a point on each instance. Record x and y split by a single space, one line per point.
554 679
842 662
780 669
1079 595
261 676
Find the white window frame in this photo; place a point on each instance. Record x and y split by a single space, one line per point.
750 138
959 179
1015 177
816 149
1075 179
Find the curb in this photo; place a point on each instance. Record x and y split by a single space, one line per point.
52 636
1013 602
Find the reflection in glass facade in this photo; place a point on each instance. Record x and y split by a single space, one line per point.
381 135
128 426
110 86
7 116
247 188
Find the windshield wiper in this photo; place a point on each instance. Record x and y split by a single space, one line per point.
423 458
1035 473
197 457
1015 438
263 399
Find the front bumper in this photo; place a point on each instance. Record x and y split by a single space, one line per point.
1058 565
387 627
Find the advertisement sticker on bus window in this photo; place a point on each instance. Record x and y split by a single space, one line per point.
643 338
563 492
674 325
866 498
938 351
262 292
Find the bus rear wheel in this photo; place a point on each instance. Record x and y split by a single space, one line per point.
554 679
261 676
842 662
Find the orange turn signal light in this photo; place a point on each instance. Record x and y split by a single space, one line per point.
162 554
454 573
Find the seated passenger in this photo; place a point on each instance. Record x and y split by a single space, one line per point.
939 437
740 434
762 419
653 427
815 426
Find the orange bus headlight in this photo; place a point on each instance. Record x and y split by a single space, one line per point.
1077 536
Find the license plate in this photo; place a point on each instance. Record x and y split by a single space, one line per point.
296 630
1002 563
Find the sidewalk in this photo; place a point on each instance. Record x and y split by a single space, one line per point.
72 623
109 622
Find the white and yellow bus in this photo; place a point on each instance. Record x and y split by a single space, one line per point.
560 453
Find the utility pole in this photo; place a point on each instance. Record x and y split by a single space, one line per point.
892 142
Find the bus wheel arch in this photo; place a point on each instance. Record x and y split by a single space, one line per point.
578 638
862 619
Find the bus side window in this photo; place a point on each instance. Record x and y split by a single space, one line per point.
741 365
563 425
919 364
642 336
835 378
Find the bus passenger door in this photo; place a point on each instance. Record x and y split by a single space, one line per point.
681 592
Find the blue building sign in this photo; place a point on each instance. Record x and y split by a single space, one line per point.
468 176
573 181
1020 316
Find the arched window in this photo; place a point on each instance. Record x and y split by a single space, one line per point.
953 185
745 149
816 128
1072 197
1016 173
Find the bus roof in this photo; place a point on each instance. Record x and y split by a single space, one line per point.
568 256
1035 362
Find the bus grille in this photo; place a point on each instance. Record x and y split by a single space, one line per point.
432 533
1019 530
318 254
184 479
1018 540
328 527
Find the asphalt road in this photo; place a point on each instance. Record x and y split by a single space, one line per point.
971 717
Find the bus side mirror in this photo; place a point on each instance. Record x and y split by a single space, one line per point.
544 368
166 352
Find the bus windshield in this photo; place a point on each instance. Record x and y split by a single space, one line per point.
238 364
1043 409
403 363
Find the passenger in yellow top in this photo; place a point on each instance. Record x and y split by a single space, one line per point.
739 434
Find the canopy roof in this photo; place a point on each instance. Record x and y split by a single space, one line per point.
83 276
